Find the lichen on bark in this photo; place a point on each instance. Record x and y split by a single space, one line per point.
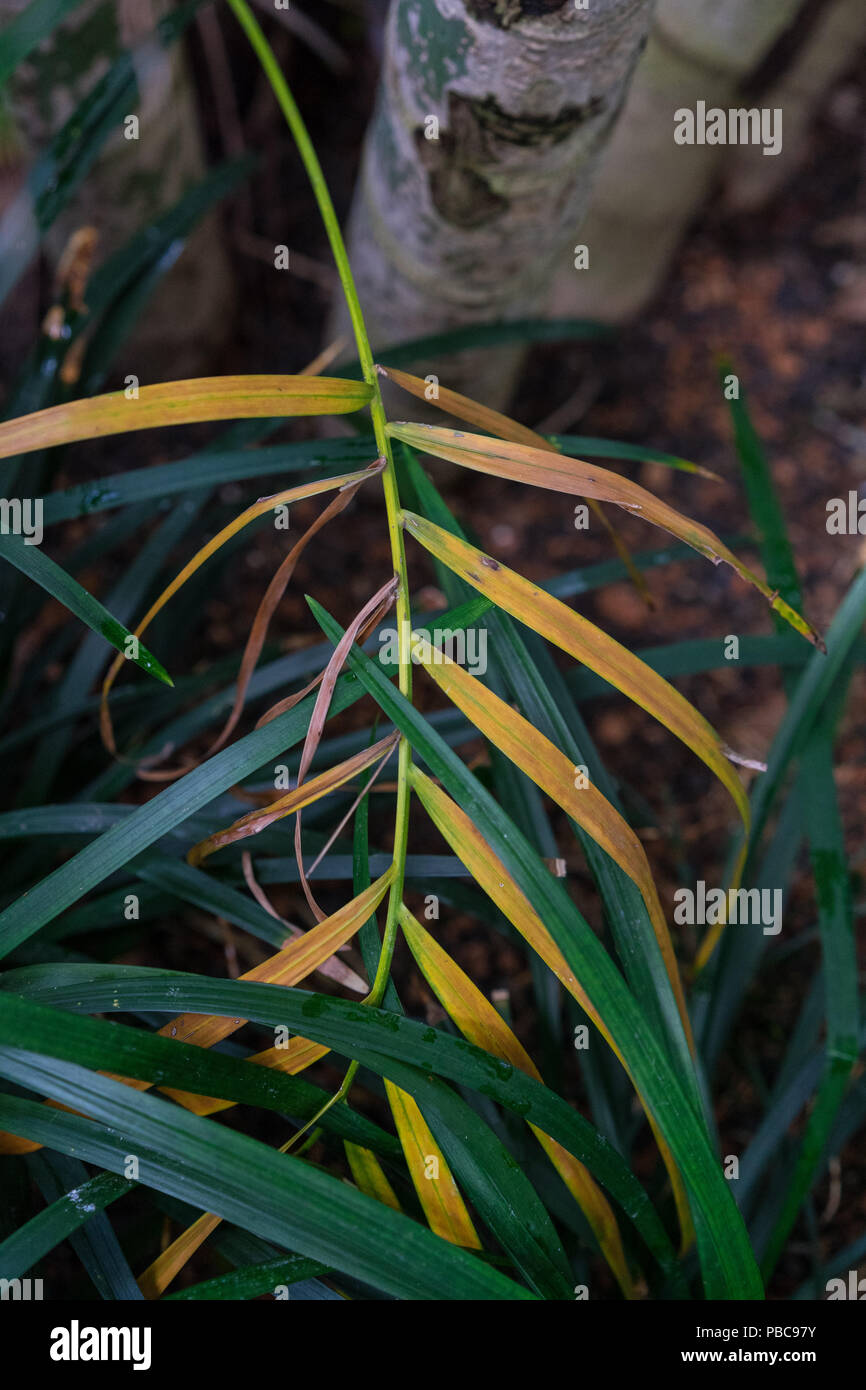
477 167
504 13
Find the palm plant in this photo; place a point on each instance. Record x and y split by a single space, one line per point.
458 1203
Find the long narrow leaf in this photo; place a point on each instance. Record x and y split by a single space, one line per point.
45 572
728 1261
373 1036
181 403
551 770
480 1023
432 1179
587 643
273 1195
542 468
33 1240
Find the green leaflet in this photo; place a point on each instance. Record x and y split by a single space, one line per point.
271 1194
729 1268
375 1037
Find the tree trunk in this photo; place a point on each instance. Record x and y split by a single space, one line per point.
490 119
649 186
133 180
832 47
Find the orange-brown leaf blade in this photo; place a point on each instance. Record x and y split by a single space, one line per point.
564 627
304 795
478 1021
494 422
544 468
169 1263
494 879
260 508
369 1174
181 403
437 1191
551 770
289 966
474 413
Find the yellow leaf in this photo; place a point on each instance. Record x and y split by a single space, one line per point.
167 1266
289 966
453 403
544 468
443 1206
494 879
478 1021
551 770
502 425
586 643
369 1175
181 403
473 412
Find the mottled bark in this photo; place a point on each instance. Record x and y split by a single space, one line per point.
133 180
490 120
649 186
